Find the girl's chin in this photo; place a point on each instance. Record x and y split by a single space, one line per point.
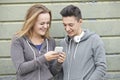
42 34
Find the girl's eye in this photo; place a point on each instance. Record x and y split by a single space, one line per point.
45 23
41 23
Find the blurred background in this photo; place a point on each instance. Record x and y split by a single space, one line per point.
100 16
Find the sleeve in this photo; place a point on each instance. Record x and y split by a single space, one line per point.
17 55
55 67
100 60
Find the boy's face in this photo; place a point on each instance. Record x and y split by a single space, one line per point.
72 25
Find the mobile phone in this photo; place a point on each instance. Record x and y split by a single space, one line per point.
58 49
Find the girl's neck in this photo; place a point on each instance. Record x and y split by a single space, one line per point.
37 39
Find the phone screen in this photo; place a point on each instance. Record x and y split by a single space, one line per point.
58 49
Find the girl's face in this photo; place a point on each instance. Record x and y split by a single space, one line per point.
42 24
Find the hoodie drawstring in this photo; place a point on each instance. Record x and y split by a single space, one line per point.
35 54
71 58
32 50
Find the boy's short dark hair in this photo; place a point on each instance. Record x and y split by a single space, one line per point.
71 10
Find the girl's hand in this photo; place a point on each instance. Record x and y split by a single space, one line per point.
51 55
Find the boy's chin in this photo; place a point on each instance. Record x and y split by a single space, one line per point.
70 35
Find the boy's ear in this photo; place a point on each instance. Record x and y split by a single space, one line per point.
80 21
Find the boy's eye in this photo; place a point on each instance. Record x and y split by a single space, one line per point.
64 25
71 25
48 22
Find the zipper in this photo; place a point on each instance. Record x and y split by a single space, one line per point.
39 71
34 58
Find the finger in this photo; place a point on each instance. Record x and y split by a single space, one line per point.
55 56
62 55
55 53
61 58
60 61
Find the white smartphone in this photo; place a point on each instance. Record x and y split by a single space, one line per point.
58 49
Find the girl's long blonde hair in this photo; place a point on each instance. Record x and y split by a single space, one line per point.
30 19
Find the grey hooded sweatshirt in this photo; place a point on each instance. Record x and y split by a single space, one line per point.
30 63
85 60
